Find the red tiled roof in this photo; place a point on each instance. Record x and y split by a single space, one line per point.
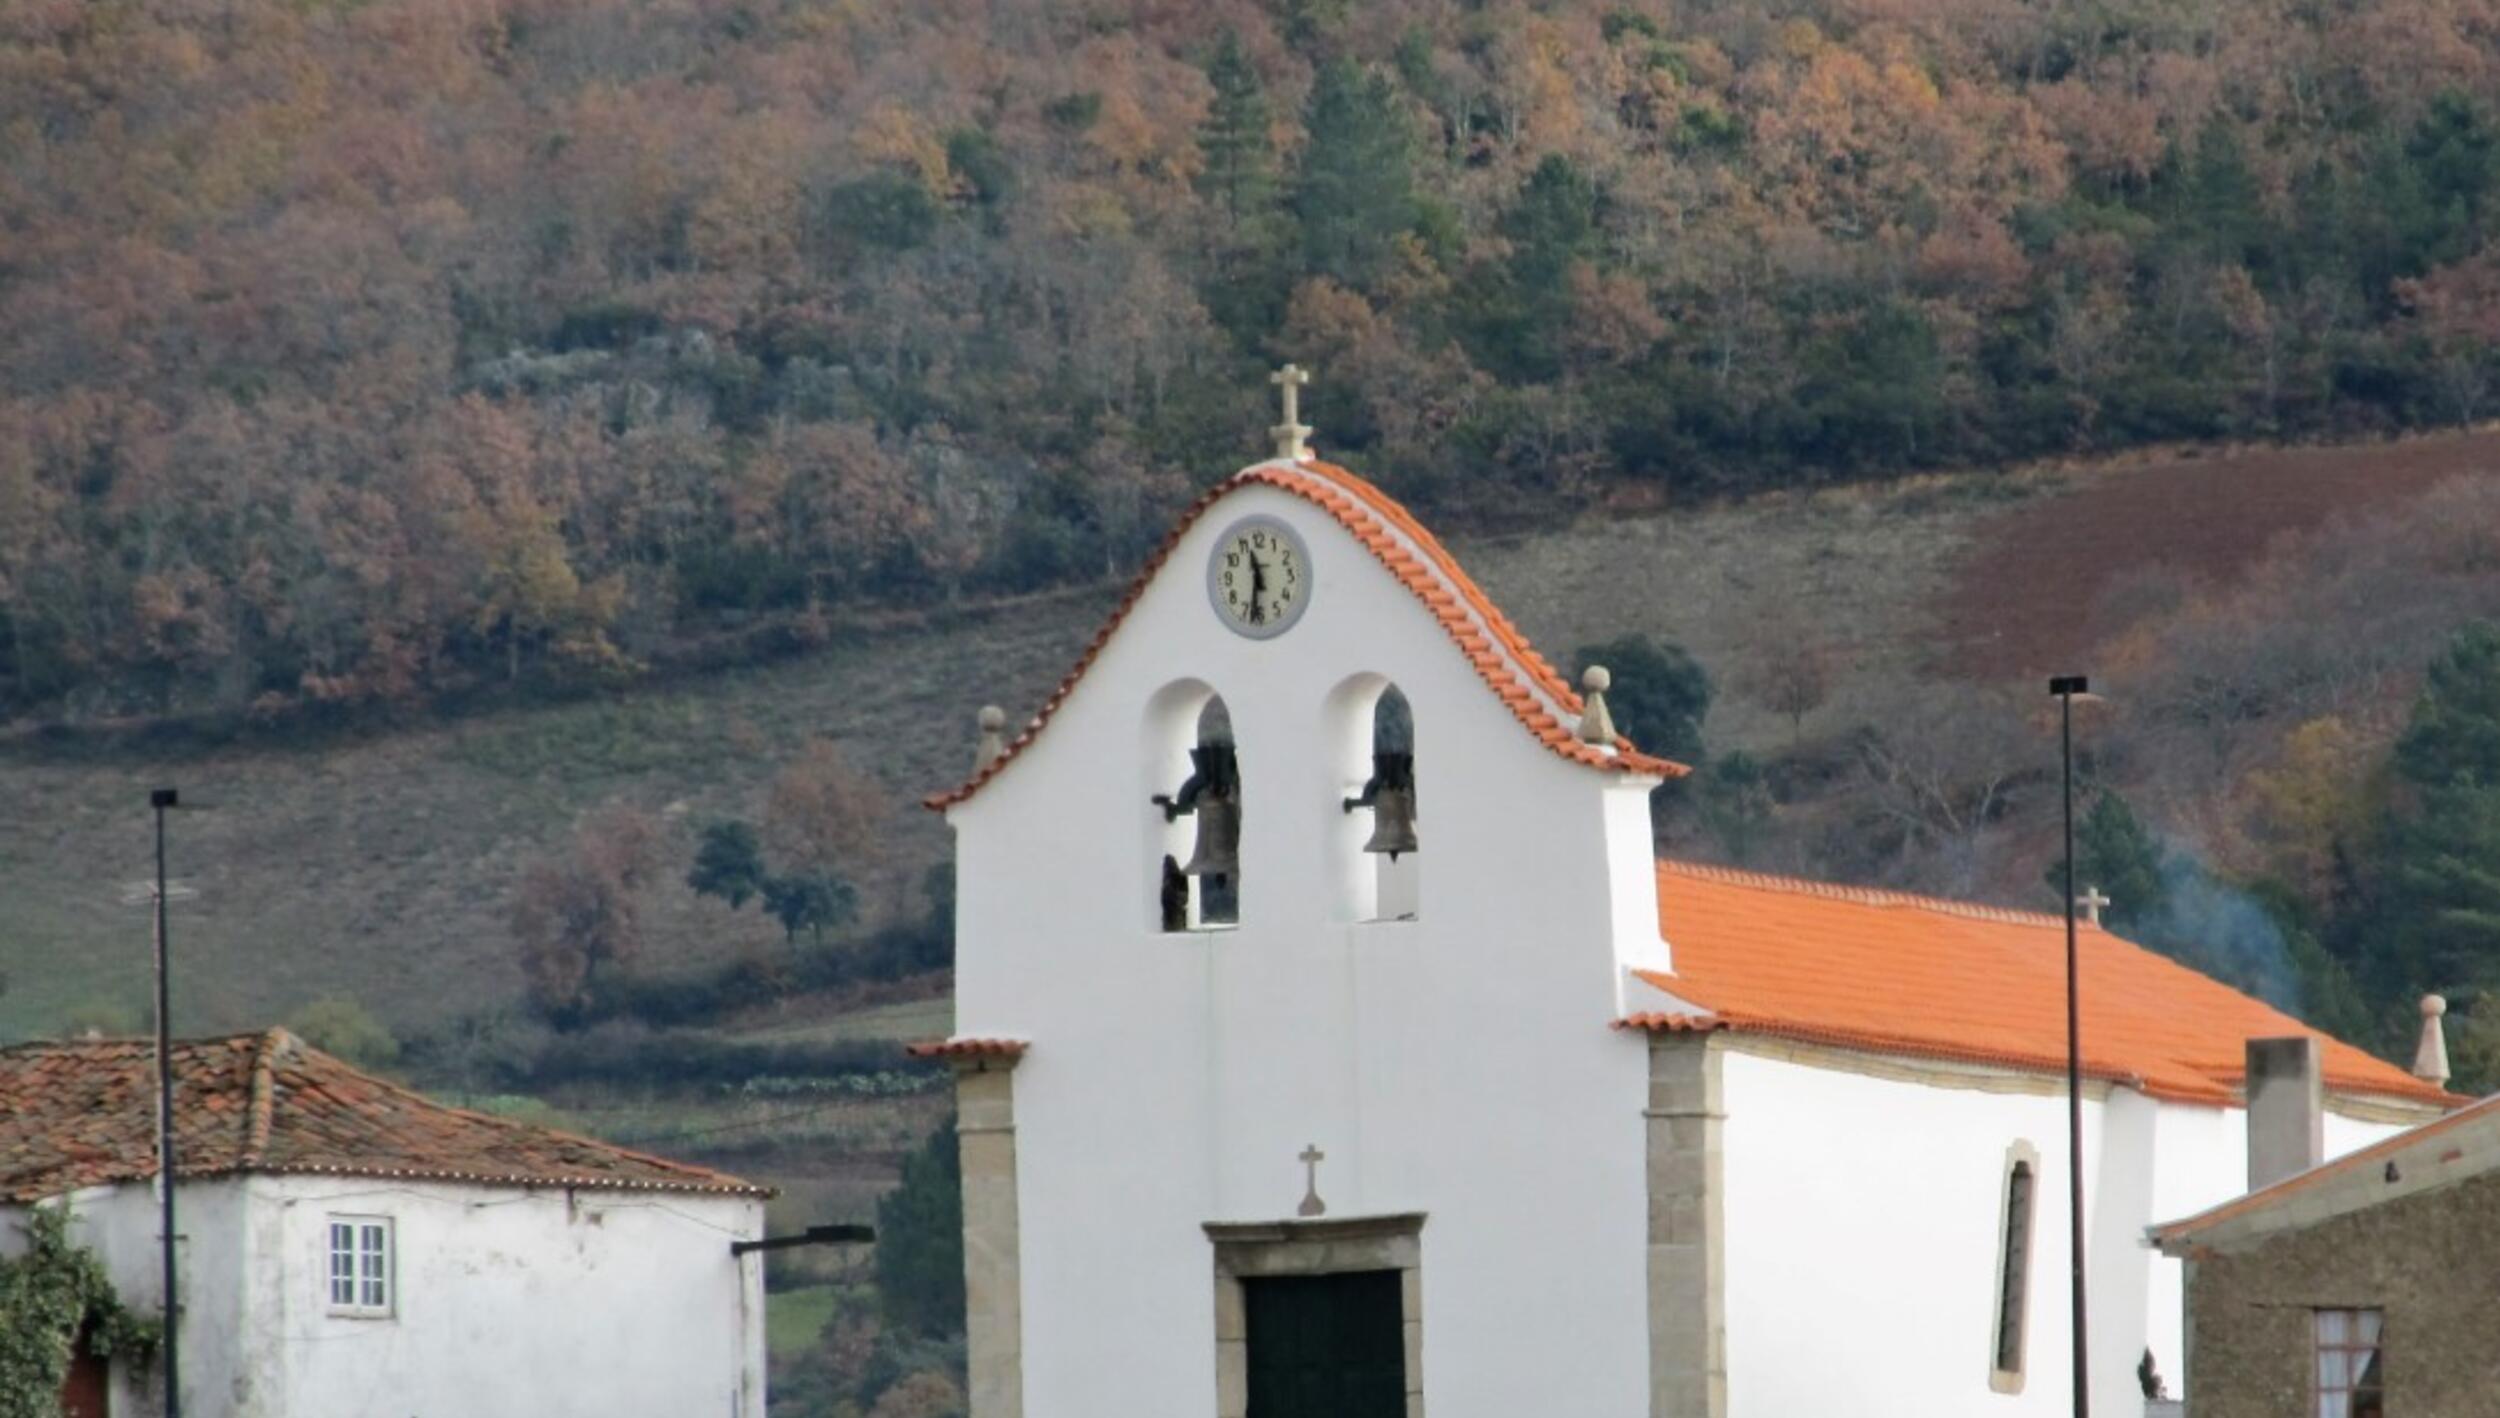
83 1113
1537 696
1893 973
2365 1159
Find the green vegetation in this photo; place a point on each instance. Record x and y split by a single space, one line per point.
51 1294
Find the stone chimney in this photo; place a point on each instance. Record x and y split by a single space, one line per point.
2430 1060
2286 1109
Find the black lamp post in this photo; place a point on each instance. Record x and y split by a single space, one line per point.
2066 687
163 800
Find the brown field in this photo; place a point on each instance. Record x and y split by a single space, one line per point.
2030 595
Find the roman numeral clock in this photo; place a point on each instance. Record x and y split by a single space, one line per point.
1259 577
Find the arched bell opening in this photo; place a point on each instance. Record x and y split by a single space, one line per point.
1377 866
1194 768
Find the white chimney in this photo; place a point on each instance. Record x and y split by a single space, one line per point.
2286 1109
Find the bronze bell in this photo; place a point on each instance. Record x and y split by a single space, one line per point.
1219 836
1390 794
1212 794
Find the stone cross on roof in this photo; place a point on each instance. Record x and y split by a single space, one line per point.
1311 1158
2091 903
1290 434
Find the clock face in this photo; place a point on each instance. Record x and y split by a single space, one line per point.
1259 577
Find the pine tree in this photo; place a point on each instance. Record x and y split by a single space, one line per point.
1355 194
2444 888
1239 178
1551 227
2453 738
920 1240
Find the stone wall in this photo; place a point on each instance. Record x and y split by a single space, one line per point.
2430 1261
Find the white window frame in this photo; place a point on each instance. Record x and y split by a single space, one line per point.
370 1274
2019 1156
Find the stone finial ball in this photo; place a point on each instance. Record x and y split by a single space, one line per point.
993 718
2433 1006
1595 679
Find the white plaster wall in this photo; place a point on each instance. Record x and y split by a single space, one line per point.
1862 1218
1459 1065
513 1303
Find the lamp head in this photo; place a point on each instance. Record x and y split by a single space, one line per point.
161 798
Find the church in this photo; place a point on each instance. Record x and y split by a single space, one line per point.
1332 1041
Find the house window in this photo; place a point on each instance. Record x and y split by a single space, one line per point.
2349 1383
2013 1296
360 1265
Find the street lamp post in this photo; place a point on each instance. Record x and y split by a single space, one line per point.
2066 687
163 800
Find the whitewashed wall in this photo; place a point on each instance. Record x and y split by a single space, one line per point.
1458 1065
1862 1218
511 1303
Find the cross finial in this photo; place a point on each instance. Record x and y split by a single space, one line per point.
1310 1159
2091 903
1290 433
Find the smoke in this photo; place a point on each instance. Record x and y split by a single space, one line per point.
2206 923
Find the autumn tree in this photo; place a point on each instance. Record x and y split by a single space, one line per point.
577 914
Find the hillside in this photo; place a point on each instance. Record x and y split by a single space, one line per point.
365 353
380 866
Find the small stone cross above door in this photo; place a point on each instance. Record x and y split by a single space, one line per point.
1311 1204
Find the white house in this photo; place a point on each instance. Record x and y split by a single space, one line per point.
350 1249
1522 1121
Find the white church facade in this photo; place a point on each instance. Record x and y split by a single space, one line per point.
1256 1121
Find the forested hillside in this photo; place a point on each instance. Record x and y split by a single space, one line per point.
358 352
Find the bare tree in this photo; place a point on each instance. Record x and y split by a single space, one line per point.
1789 672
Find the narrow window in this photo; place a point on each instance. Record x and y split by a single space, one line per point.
2349 1385
2013 1298
359 1273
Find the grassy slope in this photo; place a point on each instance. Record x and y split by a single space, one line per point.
378 867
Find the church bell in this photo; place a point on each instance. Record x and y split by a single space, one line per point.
1390 794
1219 837
1212 794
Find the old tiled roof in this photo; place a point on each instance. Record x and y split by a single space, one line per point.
2464 1144
1892 973
1537 696
82 1113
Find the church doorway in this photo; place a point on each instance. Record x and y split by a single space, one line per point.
1319 1317
1326 1346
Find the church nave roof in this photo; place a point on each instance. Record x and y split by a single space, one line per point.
1888 972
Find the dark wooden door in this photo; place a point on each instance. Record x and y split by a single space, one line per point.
83 1396
1326 1346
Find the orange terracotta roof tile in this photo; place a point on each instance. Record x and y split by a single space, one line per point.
1894 973
83 1113
1499 654
2366 1159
